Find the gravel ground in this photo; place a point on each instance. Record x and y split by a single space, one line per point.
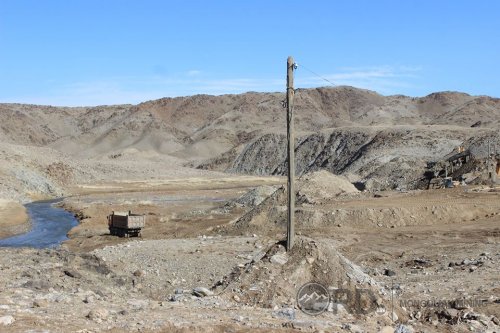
59 291
162 266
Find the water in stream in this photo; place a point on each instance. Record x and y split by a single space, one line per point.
49 226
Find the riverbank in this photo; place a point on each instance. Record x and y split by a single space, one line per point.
14 219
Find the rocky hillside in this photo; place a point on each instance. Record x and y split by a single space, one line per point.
358 133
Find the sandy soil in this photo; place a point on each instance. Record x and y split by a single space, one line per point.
13 218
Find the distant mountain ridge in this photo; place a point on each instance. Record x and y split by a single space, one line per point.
188 120
345 130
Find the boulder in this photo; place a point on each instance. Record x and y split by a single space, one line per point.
202 292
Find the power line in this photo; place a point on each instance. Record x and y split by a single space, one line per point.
284 104
321 77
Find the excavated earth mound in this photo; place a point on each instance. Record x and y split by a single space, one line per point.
273 279
322 185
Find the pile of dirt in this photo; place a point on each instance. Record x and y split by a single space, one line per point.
255 196
264 219
273 279
323 185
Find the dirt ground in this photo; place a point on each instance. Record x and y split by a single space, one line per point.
13 218
407 248
444 259
174 208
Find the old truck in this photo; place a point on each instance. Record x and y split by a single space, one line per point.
124 224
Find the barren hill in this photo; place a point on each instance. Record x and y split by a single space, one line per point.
349 131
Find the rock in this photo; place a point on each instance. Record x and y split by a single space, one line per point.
403 329
352 328
476 326
236 298
40 303
179 291
175 298
279 259
388 272
496 321
7 320
202 292
286 313
98 314
37 284
139 273
472 268
138 304
136 284
472 316
239 319
452 316
310 260
72 273
89 299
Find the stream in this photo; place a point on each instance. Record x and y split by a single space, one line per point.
49 226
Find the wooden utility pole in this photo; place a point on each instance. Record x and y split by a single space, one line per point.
290 66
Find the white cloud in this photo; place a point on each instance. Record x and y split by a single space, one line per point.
193 72
123 90
131 90
91 94
383 79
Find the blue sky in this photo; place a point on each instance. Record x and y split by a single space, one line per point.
91 52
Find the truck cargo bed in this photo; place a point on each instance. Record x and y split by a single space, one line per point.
122 224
